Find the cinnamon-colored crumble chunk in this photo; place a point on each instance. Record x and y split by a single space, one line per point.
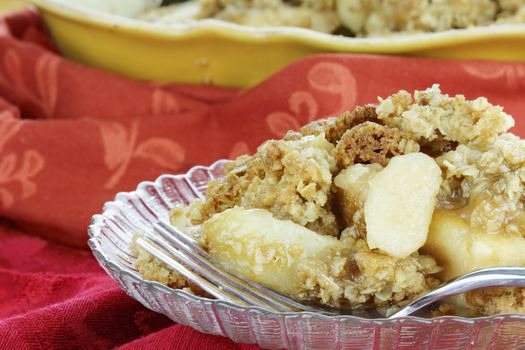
348 120
372 143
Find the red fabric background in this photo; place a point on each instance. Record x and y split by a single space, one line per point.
71 137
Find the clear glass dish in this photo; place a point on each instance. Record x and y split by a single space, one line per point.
111 232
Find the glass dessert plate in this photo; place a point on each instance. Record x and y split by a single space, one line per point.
112 230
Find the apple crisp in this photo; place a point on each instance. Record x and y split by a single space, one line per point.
359 18
371 208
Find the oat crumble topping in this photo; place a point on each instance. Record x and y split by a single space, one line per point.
352 17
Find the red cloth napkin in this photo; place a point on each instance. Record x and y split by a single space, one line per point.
71 137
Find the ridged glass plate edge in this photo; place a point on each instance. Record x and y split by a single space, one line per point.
110 231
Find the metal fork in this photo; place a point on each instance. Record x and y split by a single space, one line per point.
513 276
183 254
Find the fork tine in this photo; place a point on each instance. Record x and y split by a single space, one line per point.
195 278
183 241
214 276
212 273
174 234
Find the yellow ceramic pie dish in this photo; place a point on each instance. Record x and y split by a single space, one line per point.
226 54
11 5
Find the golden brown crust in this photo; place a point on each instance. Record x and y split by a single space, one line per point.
370 142
348 120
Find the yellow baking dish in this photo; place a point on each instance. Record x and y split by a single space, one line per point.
11 5
226 54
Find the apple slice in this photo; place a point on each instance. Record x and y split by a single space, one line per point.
400 203
459 249
253 244
351 191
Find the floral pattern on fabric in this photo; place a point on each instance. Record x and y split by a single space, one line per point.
16 168
332 78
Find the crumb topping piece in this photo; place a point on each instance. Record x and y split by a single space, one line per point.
347 120
372 143
492 182
290 179
429 115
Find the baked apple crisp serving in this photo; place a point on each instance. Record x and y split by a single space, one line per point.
370 208
349 17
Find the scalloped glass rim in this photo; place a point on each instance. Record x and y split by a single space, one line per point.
130 211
